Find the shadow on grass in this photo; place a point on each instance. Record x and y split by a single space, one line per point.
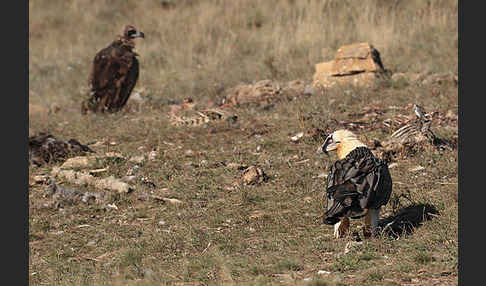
407 219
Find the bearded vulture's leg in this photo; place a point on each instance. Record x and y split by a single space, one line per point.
375 215
367 225
371 222
341 227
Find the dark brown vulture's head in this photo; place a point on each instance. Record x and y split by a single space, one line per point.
130 32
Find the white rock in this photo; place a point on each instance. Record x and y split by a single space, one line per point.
416 169
297 136
323 272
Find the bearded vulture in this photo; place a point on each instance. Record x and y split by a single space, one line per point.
358 183
114 73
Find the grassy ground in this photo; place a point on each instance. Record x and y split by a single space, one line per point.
265 234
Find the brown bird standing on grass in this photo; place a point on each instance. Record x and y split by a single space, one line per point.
358 184
114 73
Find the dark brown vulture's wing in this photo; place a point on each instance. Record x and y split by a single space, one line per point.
357 182
113 75
130 79
104 68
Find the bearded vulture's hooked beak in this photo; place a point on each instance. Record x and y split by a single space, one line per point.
139 34
329 145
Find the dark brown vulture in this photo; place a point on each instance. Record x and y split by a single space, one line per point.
114 73
358 184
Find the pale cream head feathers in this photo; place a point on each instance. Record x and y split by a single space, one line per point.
342 141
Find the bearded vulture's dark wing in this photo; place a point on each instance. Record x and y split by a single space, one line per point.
359 181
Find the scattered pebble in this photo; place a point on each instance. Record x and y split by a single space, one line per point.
172 201
148 272
256 214
137 159
350 245
323 272
112 206
297 136
308 199
253 175
148 182
416 169
152 155
392 165
114 154
96 171
39 179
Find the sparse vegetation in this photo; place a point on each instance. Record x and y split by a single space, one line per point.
250 233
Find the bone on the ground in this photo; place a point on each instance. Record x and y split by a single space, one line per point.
79 162
81 178
168 200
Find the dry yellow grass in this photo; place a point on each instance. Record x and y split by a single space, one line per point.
196 45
